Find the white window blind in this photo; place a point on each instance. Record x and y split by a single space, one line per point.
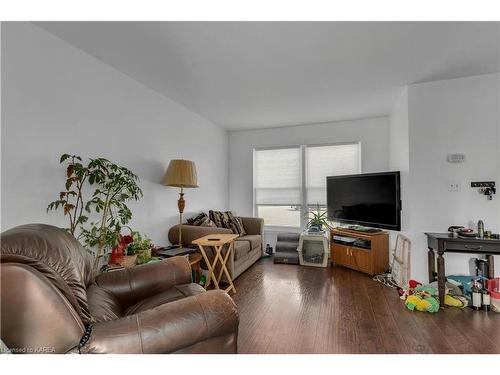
331 160
277 176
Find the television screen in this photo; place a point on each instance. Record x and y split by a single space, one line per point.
371 199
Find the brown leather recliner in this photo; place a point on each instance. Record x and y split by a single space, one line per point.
52 303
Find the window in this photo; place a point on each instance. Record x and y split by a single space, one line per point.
331 160
277 185
289 180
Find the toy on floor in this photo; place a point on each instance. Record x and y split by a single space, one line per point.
455 301
420 297
421 303
408 289
424 297
425 290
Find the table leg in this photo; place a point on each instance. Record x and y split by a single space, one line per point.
491 266
225 270
431 264
210 267
441 275
216 259
197 272
223 261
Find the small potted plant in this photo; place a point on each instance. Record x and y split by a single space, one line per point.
141 247
317 220
118 252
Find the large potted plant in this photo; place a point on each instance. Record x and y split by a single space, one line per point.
112 187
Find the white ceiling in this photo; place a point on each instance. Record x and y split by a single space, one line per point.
244 75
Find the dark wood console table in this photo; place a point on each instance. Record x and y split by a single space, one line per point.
446 243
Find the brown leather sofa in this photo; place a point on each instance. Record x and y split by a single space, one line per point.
247 249
51 302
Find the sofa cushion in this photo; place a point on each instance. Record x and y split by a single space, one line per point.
241 249
255 240
173 294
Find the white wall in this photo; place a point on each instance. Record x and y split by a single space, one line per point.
458 115
371 132
56 99
398 134
399 158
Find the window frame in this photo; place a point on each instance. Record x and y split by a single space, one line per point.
304 207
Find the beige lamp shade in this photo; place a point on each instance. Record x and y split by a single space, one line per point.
181 173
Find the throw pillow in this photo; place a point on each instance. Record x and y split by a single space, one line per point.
198 219
227 220
236 224
208 223
219 218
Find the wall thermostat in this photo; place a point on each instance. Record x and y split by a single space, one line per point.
455 158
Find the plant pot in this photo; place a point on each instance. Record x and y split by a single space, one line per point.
129 261
315 228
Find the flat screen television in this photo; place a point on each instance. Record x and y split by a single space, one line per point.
369 199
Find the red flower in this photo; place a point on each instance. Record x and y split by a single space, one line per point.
127 239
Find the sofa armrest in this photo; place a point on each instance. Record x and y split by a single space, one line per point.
134 284
169 327
253 225
193 232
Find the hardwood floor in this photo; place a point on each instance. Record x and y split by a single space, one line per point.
293 309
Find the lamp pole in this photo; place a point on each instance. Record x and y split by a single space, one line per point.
181 203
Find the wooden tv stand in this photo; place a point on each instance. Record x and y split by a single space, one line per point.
371 256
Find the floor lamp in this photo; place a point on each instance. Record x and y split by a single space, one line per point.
181 173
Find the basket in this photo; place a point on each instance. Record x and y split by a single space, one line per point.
129 261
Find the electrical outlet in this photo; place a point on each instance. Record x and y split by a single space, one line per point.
453 187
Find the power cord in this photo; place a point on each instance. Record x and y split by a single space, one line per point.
86 337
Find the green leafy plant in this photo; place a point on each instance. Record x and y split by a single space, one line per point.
71 199
317 218
113 187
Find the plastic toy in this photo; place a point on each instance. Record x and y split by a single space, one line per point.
426 290
413 283
429 304
455 301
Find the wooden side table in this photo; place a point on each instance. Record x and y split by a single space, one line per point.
446 243
217 241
